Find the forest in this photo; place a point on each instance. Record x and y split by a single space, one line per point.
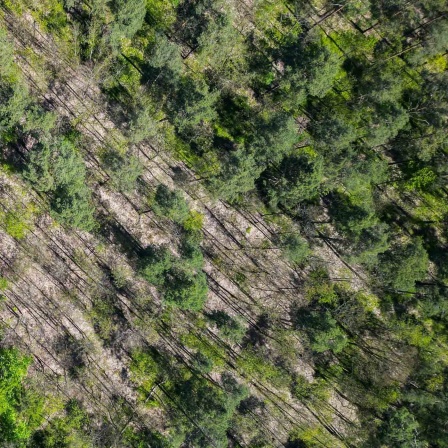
223 223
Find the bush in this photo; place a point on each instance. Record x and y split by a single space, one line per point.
194 221
144 371
65 432
15 225
3 283
21 411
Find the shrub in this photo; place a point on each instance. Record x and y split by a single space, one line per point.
194 221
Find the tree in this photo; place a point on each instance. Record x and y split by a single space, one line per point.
400 430
199 16
237 176
143 121
435 42
381 86
191 104
141 438
20 116
14 95
311 66
129 17
333 133
155 263
181 280
58 169
8 70
384 123
194 222
295 248
275 136
209 407
369 243
170 204
228 326
124 169
220 42
185 289
165 56
296 179
350 216
403 265
325 333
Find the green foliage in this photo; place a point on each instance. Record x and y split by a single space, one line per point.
237 176
182 281
157 261
220 42
143 123
192 257
13 93
141 439
311 437
276 136
295 248
170 204
145 372
105 315
253 364
325 332
228 326
14 426
315 391
129 16
9 70
185 289
17 110
58 169
296 179
194 222
421 179
209 408
3 283
191 105
332 114
65 432
15 224
335 134
385 123
400 430
403 265
124 170
161 12
356 217
352 217
310 69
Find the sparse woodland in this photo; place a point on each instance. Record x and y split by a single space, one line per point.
223 223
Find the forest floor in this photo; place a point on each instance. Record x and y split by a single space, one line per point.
58 274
